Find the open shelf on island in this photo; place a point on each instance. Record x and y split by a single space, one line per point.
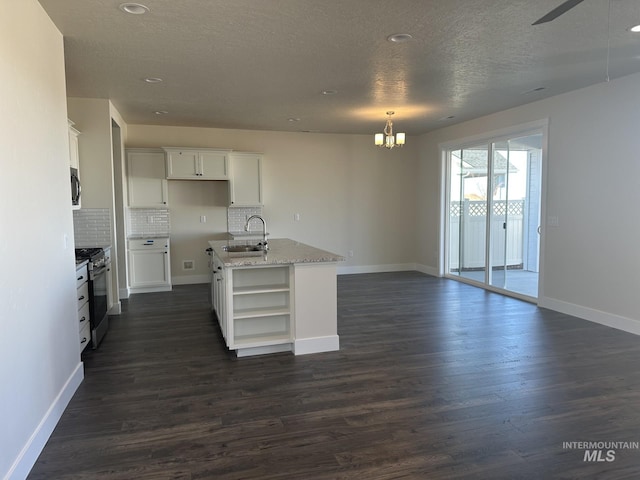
246 341
260 289
260 312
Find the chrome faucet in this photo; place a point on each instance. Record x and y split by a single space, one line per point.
265 246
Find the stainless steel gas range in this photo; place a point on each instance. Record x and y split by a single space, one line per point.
99 265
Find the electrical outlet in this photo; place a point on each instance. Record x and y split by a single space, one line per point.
203 219
296 217
350 253
150 219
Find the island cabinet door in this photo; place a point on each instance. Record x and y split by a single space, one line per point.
218 288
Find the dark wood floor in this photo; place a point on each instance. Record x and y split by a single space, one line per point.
435 379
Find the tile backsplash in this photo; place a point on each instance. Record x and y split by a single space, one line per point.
237 217
92 227
149 221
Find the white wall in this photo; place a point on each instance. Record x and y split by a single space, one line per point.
350 194
40 364
591 267
93 118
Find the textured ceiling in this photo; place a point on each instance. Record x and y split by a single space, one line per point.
256 64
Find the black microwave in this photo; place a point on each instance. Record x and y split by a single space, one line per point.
75 188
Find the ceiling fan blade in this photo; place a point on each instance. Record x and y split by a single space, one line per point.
556 12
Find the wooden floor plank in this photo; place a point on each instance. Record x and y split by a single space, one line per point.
435 379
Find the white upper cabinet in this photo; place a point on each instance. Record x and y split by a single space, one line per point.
147 178
74 157
197 164
246 179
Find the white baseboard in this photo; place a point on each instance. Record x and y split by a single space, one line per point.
603 318
305 346
133 290
433 271
116 308
34 446
190 279
247 352
124 293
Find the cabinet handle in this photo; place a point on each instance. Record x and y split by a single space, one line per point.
81 297
83 319
84 339
80 277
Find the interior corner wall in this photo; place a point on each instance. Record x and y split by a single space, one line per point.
591 268
351 195
40 366
92 117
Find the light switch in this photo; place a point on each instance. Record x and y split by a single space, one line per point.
203 219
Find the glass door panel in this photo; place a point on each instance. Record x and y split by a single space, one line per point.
494 213
468 212
499 180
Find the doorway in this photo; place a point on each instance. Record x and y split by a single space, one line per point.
494 192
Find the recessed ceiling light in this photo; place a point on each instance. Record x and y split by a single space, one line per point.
635 29
153 80
134 8
160 112
329 92
293 119
399 38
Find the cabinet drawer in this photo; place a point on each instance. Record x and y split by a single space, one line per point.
83 295
83 316
84 337
82 276
149 243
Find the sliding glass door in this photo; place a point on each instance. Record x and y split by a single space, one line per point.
494 192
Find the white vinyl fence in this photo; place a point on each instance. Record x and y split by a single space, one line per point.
467 228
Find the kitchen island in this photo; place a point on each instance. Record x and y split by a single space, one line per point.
283 299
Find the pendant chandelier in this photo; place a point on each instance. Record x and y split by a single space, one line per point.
387 139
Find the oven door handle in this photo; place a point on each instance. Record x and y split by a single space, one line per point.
100 271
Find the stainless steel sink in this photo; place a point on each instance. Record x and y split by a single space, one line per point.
242 248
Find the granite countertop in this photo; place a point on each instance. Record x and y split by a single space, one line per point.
281 251
81 263
142 236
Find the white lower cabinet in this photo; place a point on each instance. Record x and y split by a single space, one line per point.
84 329
218 294
149 265
255 308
